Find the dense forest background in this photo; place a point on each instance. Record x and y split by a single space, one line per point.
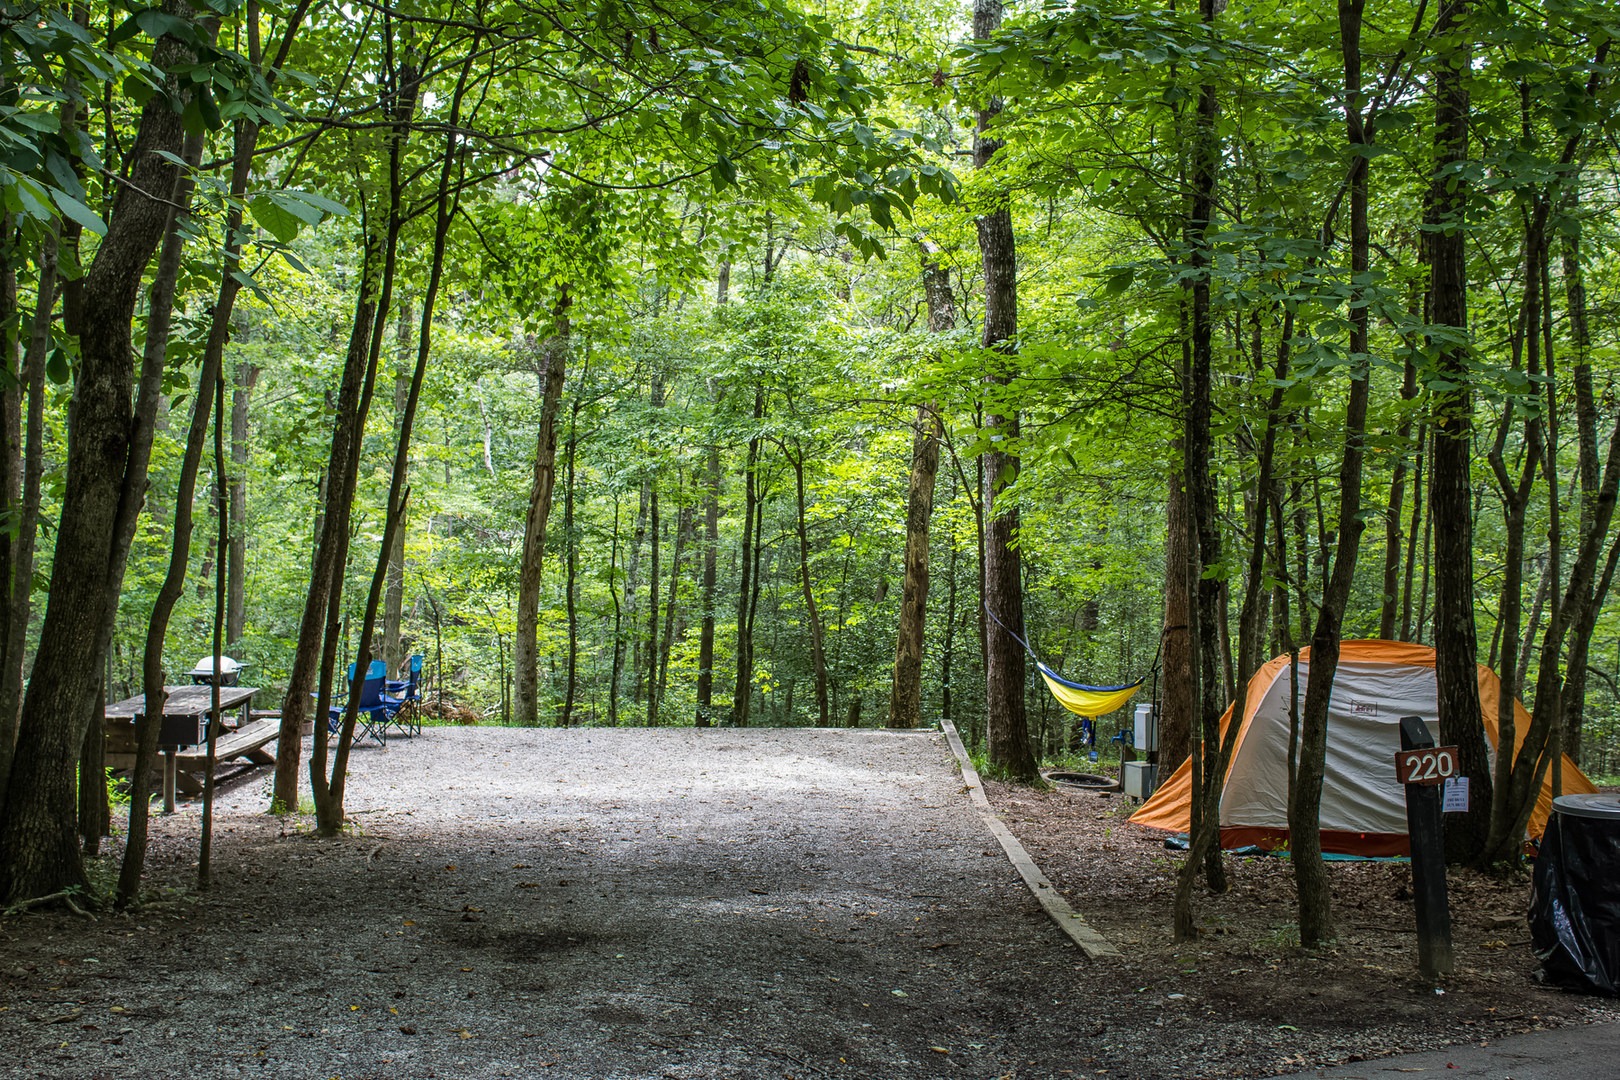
591 350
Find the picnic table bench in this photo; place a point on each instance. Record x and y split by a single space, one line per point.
183 733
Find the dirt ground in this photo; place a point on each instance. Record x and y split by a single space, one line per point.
598 903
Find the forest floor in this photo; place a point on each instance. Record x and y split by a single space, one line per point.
604 903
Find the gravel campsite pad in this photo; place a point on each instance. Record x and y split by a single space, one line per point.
682 903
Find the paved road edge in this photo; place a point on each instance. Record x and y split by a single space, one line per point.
1070 921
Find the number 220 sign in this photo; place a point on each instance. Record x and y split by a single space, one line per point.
1430 765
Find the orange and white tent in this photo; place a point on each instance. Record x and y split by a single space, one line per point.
1363 808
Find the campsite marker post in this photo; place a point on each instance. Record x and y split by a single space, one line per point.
1428 852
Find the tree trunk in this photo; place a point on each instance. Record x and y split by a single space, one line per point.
655 528
95 809
394 596
1201 496
525 650
632 589
20 585
222 514
948 650
571 576
742 688
1389 609
314 652
169 592
711 548
104 483
1006 724
236 602
328 790
905 697
1305 803
818 656
1515 494
618 620
1179 690
673 629
1450 482
13 391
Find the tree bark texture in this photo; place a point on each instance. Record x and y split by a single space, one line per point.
1007 726
247 375
1305 804
818 653
328 790
1450 483
1178 691
20 585
571 573
711 547
525 656
742 688
905 696
39 851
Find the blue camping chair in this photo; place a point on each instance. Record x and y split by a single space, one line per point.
403 698
371 714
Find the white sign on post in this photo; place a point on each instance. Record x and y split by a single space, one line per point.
1455 798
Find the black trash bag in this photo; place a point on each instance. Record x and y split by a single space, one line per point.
1575 898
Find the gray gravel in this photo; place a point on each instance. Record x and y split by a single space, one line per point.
599 903
580 903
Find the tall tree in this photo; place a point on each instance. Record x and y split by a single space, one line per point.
1450 481
1007 728
525 651
109 434
905 696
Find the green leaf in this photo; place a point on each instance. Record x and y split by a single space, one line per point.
73 208
35 201
58 368
723 172
275 218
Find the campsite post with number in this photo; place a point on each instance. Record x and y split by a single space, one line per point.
1421 767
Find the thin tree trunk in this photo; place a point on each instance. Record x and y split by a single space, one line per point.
684 529
571 576
394 596
632 589
247 375
313 656
618 620
1389 609
1179 690
329 791
222 509
905 697
742 688
525 651
20 584
711 548
947 651
818 656
655 530
1305 803
1515 494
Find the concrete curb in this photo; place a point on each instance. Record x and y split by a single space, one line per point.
1070 921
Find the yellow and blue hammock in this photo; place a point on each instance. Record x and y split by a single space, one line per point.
1083 700
1080 699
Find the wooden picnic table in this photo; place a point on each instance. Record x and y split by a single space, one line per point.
183 734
